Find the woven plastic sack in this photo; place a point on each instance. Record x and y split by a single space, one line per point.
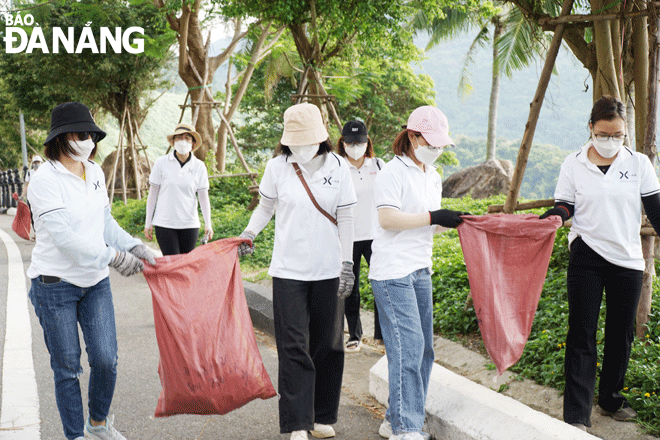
507 257
209 359
22 219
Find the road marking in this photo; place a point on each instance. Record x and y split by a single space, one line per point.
19 414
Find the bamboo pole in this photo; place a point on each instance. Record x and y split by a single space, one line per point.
522 206
119 147
144 147
183 107
535 110
136 170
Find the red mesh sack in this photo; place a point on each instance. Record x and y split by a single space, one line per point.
507 257
209 359
22 219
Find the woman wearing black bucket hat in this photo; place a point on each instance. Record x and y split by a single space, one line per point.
77 239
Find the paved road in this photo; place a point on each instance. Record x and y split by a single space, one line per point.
138 385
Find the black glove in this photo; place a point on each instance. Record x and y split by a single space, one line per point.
447 218
560 211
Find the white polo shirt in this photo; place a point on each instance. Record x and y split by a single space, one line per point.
306 242
608 206
404 186
176 207
365 218
73 224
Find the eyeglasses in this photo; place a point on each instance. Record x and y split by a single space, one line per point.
84 135
607 137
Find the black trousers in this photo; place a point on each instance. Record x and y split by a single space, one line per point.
176 241
588 274
352 303
309 321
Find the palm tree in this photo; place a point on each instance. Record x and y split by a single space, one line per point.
515 43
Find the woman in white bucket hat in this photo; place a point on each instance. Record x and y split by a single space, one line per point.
311 268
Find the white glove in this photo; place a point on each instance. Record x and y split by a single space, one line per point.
346 280
126 263
144 253
244 248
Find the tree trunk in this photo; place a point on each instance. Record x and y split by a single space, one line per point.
491 140
535 110
645 38
606 81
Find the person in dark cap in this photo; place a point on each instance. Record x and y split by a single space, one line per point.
77 239
176 181
356 147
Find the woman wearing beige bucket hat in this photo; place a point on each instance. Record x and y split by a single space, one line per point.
311 268
176 181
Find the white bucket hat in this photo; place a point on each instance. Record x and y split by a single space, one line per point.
303 125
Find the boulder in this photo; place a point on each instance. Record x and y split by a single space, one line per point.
487 179
143 169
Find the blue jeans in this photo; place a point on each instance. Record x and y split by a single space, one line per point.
405 306
60 306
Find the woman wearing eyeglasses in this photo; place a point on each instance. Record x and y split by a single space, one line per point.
176 181
355 146
77 239
603 187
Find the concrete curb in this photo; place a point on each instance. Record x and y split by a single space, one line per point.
260 303
459 409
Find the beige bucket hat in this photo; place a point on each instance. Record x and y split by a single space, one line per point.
303 125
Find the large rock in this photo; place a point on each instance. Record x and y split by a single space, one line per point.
480 181
143 169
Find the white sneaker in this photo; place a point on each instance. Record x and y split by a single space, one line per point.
299 435
408 436
322 431
385 431
107 432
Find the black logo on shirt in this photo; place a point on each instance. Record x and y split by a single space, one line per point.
327 180
97 185
623 175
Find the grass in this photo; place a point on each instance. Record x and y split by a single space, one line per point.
543 357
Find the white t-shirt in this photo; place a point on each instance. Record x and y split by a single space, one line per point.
306 242
77 212
404 186
608 206
176 207
365 218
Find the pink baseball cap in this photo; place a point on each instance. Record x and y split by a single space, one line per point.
432 124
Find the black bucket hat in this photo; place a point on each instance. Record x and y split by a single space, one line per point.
72 117
354 131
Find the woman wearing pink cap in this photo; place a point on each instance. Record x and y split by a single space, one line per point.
408 192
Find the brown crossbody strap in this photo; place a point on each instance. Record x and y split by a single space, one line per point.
311 196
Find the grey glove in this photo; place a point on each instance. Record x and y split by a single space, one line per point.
144 253
346 280
244 248
126 263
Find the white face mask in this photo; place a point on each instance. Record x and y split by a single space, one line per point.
82 149
426 154
355 151
304 153
608 148
182 146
